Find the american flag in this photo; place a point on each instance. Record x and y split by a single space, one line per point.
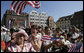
18 6
46 37
76 48
34 4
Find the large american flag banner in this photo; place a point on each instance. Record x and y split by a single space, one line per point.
18 6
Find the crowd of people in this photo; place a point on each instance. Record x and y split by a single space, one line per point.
38 39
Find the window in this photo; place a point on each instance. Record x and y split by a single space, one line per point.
31 19
36 19
31 15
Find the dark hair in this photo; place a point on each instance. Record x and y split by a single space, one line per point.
34 26
39 27
57 29
46 28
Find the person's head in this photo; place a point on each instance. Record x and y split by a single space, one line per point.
8 31
65 35
75 30
39 29
20 37
27 30
34 29
23 32
13 37
57 30
47 30
12 30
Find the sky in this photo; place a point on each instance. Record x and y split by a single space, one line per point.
56 9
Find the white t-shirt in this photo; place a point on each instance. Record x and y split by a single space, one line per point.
76 35
37 38
47 42
67 43
39 35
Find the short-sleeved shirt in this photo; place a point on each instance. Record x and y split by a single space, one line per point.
37 38
26 48
76 35
47 42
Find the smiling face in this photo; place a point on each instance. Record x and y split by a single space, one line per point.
33 29
20 38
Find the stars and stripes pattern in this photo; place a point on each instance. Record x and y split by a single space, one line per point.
81 49
46 37
19 6
34 4
76 48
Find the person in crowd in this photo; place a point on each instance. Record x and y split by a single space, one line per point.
76 47
3 33
57 34
28 30
47 44
34 38
43 31
39 31
3 45
70 32
37 39
24 32
7 36
12 30
66 42
75 34
12 41
21 45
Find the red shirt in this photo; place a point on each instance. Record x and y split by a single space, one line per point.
3 45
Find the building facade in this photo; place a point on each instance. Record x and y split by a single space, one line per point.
11 20
64 22
77 19
39 19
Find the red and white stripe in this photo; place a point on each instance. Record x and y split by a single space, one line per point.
46 37
81 49
34 4
18 6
